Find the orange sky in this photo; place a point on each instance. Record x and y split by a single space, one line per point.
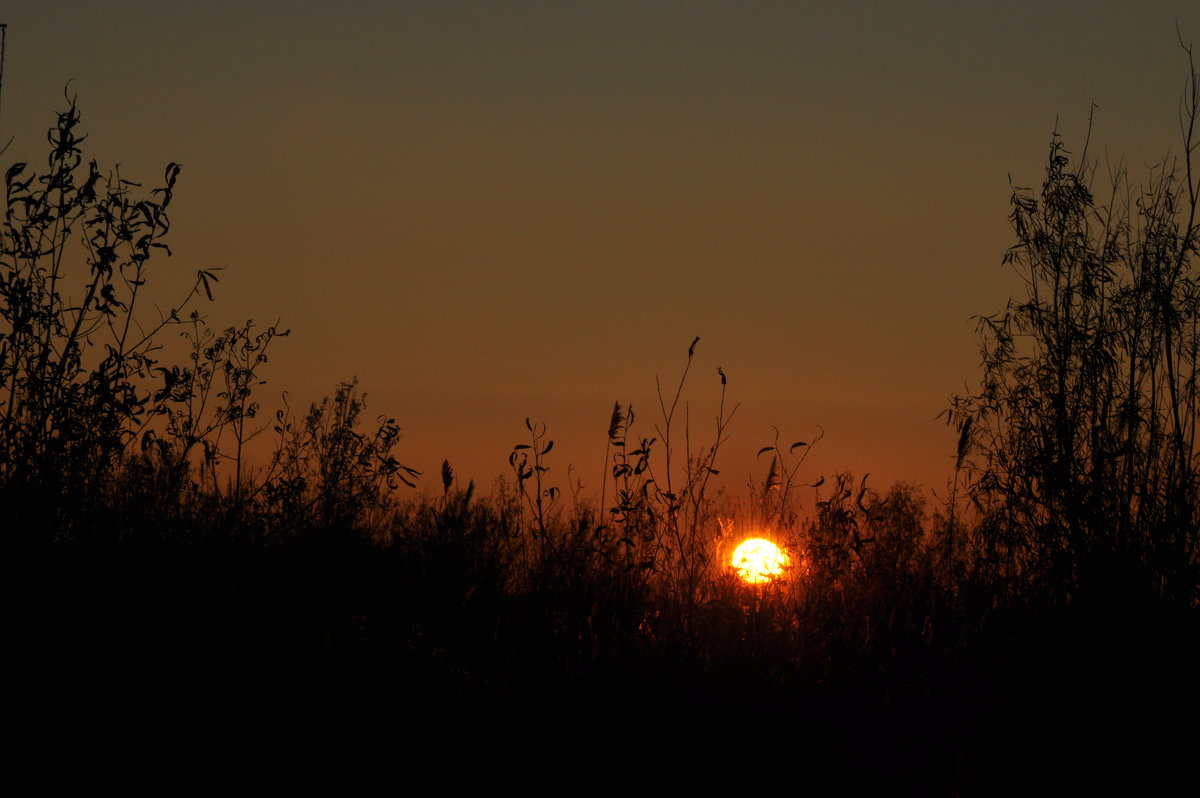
491 211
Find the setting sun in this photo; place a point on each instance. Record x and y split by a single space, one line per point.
758 560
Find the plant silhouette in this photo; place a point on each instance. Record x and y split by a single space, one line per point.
320 584
1080 445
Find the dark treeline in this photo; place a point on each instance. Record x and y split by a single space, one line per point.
155 569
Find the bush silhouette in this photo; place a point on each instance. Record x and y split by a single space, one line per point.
1079 447
75 356
100 438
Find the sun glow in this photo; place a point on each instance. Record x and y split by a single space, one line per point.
758 560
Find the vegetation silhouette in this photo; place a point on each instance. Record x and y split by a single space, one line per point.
1079 448
156 560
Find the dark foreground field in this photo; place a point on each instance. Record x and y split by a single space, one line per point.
327 639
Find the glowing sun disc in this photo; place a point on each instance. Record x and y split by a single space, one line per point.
758 560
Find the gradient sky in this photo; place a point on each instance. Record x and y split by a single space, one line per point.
488 211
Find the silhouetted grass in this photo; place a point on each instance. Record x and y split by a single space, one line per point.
154 571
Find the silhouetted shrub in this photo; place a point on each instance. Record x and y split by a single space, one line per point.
1080 444
76 249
